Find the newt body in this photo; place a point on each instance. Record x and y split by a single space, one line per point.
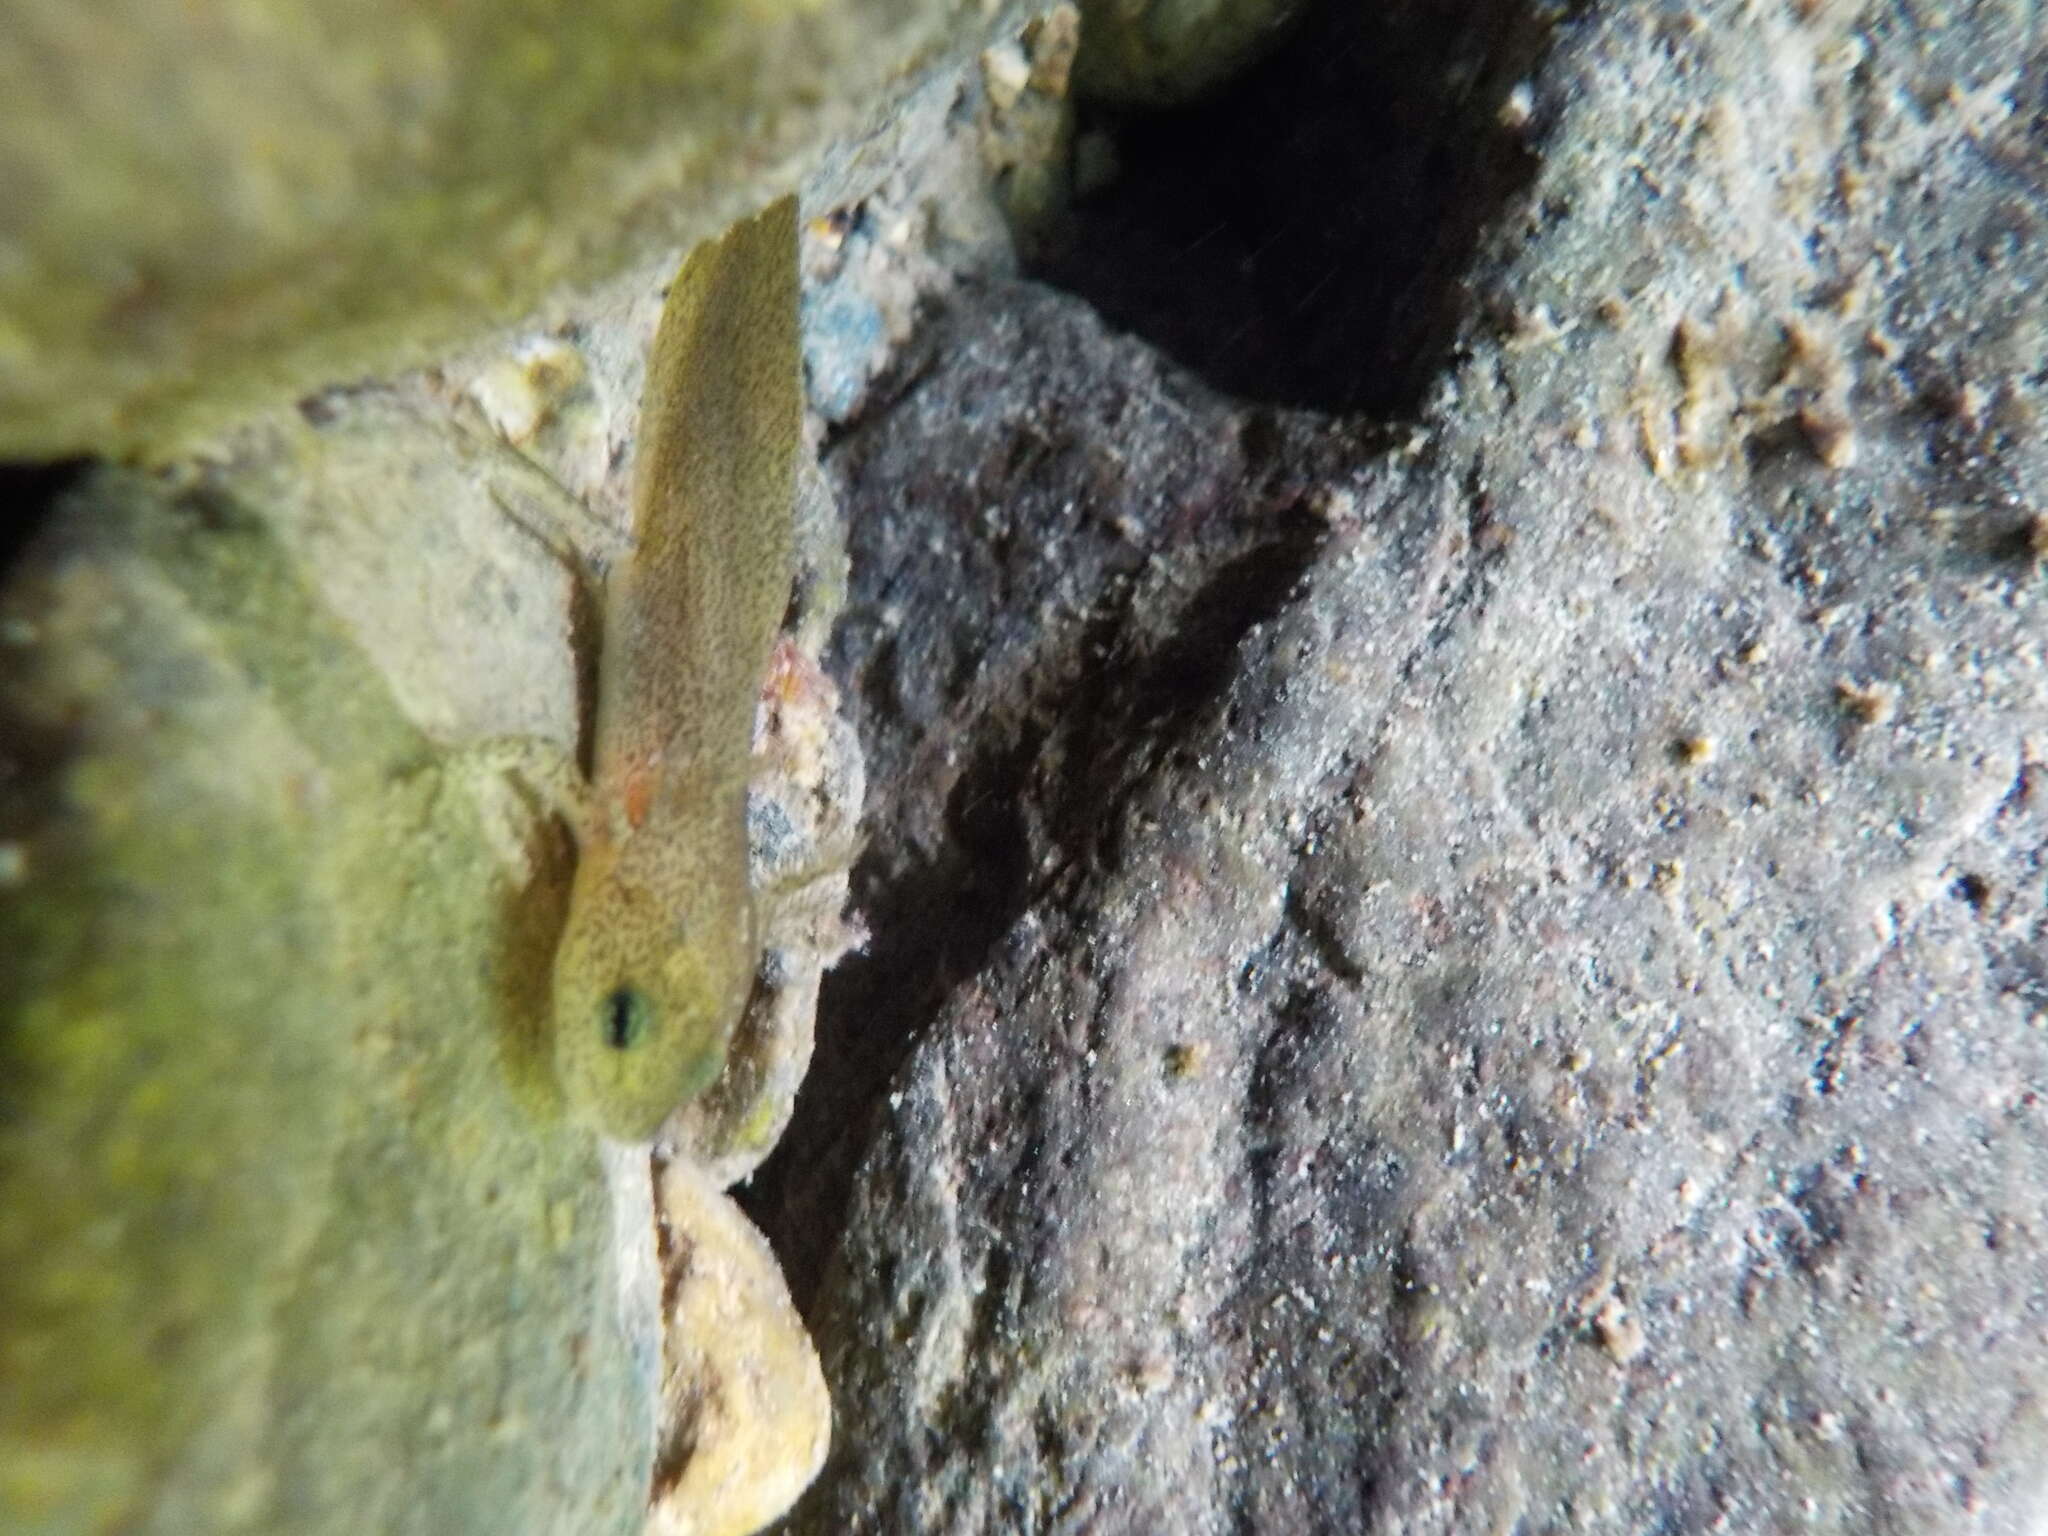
660 949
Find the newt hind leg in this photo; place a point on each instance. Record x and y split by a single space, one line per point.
514 782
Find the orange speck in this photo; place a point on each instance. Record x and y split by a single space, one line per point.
636 794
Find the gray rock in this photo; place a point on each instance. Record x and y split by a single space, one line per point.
1489 976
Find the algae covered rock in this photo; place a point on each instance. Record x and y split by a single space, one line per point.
292 1235
293 1208
1156 53
203 209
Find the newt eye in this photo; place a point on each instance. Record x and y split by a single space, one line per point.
627 1018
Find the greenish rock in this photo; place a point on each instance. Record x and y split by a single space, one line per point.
1157 53
295 1231
205 209
292 1232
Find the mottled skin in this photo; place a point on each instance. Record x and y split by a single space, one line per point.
659 951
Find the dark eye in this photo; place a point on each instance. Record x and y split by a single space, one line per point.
627 1017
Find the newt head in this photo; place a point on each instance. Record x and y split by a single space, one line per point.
649 981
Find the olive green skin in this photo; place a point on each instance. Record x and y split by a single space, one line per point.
660 947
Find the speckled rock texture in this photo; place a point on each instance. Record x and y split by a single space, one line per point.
1475 962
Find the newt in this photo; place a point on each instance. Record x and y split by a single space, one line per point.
660 947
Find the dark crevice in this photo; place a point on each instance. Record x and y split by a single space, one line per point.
1037 799
29 493
1128 713
934 921
1300 237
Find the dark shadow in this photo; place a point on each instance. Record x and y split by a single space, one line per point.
934 922
1127 713
29 492
1301 237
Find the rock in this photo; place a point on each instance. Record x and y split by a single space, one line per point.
1162 52
1026 127
1336 1051
747 1413
296 1235
293 1236
1456 916
202 215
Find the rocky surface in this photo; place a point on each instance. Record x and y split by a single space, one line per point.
293 1236
1453 698
296 1234
1483 972
205 211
